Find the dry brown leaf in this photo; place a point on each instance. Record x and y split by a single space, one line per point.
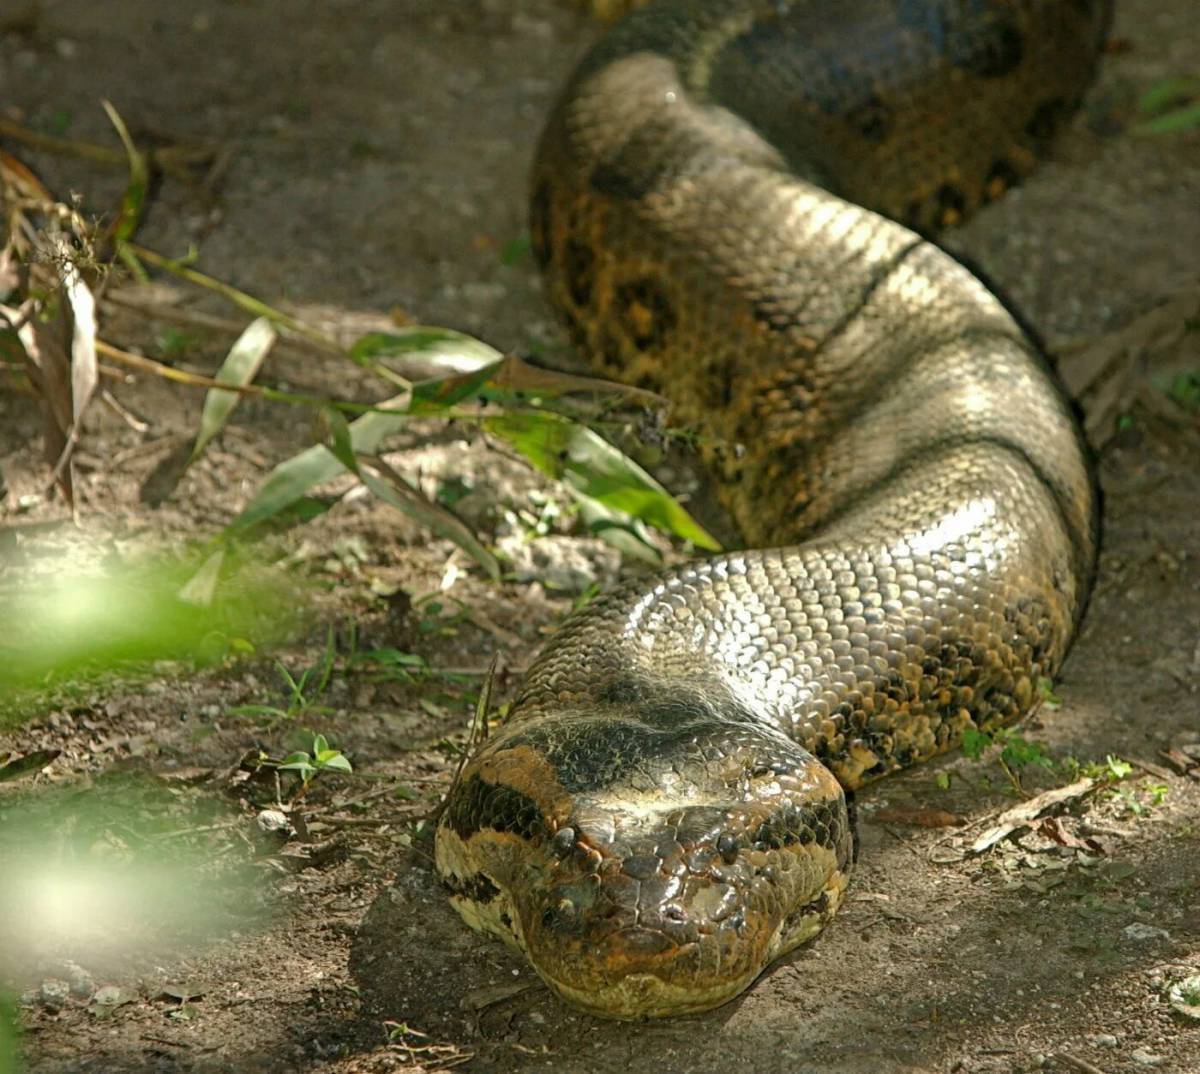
920 818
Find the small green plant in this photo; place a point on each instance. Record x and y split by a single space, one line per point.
310 764
1111 770
1133 799
302 692
516 250
589 594
432 620
1184 390
392 665
1170 106
1015 753
175 343
1047 694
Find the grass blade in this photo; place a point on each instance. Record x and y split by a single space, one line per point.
1181 119
248 302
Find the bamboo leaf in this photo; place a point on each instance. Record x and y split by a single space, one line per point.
421 352
395 490
241 366
290 481
565 449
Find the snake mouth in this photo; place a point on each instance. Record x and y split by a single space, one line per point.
639 996
648 974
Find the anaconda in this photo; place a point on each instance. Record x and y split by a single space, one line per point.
729 201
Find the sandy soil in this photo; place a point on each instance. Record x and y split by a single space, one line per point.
378 153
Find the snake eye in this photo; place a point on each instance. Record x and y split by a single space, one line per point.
563 842
727 847
560 914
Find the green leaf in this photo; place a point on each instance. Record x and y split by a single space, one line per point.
10 1034
516 249
627 535
394 656
337 761
290 481
241 366
1046 692
426 348
297 758
1180 119
258 710
1168 91
1117 769
341 442
134 199
974 743
201 588
395 490
1019 752
1184 389
431 396
320 745
565 449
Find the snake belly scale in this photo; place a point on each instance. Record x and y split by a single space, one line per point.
728 203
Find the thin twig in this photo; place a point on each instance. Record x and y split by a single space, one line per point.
392 406
174 160
239 298
126 415
478 736
207 321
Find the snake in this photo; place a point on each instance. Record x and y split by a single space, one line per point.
737 203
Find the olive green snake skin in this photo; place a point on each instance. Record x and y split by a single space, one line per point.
664 811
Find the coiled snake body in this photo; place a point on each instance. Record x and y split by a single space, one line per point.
663 813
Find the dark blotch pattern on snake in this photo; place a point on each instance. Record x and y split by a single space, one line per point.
714 204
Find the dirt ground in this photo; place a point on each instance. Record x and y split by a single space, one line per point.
377 154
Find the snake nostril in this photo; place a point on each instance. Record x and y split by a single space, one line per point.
727 847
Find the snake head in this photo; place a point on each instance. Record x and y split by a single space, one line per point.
649 855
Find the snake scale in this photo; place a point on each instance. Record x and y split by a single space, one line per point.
728 203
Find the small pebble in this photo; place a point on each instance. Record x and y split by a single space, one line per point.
108 996
54 994
1141 933
271 820
1103 1040
80 980
1145 1058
